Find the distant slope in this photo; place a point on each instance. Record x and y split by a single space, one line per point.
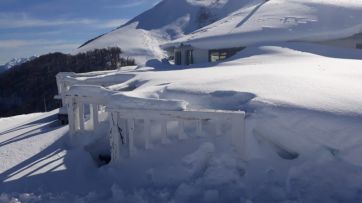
15 62
170 19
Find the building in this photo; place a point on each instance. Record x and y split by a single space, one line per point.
187 54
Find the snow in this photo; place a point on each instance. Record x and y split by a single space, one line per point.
311 20
265 22
15 62
303 103
115 99
212 24
170 19
138 44
303 130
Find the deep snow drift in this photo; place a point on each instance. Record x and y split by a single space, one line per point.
304 115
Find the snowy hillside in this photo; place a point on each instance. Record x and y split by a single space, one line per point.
303 128
140 38
282 20
15 62
231 23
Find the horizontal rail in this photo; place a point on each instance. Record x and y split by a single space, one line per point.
178 115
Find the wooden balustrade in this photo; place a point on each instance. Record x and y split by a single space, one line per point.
122 125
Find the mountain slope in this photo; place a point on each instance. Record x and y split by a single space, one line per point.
299 20
15 62
231 23
170 19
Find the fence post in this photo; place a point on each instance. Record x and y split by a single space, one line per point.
181 130
71 117
147 133
76 114
94 109
199 128
116 140
164 131
130 137
238 137
81 117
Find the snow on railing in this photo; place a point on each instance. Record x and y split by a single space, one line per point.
79 96
76 105
124 112
62 85
65 80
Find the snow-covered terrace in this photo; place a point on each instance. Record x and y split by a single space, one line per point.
303 135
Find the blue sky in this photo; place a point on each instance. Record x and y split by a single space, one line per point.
35 27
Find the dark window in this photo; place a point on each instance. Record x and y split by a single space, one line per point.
189 57
359 46
178 58
222 54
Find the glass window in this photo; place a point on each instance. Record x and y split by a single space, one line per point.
214 56
222 54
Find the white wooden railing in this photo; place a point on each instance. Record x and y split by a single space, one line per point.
123 126
76 105
124 114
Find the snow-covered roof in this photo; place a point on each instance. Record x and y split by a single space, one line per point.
280 20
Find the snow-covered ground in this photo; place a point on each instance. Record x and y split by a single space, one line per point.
304 124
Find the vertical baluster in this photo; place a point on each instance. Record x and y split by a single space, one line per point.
130 137
181 130
115 138
164 131
94 115
91 117
199 128
238 137
81 117
147 133
76 114
71 118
